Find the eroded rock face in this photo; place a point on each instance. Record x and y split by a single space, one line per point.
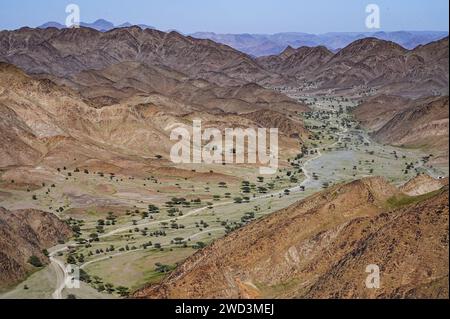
23 234
320 248
423 184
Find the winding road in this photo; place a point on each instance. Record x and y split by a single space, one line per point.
62 275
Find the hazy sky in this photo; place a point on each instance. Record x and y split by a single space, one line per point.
236 16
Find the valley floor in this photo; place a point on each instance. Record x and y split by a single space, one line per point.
134 248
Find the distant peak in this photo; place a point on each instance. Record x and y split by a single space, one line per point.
99 25
288 52
369 44
52 24
289 49
125 24
102 21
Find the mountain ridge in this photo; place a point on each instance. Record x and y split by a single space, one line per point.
99 25
273 44
65 52
365 63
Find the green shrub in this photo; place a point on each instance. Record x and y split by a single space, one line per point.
35 261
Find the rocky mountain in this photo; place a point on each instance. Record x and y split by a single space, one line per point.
293 62
388 67
360 62
367 65
51 125
320 247
66 52
126 80
264 44
26 233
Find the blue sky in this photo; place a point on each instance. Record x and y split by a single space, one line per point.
236 16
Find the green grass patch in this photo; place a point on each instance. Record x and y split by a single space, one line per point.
398 201
155 277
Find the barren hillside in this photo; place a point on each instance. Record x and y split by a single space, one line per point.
26 233
320 247
424 124
54 126
368 63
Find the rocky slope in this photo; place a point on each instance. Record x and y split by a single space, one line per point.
26 233
293 62
320 248
273 119
424 124
423 184
420 123
127 79
376 111
410 244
